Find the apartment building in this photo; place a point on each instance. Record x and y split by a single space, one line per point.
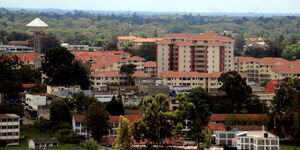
150 68
10 128
204 53
264 69
208 81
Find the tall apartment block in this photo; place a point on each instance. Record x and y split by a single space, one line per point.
206 53
10 129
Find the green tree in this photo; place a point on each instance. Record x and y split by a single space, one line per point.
12 108
60 111
286 108
128 70
80 103
239 42
39 88
198 113
207 134
155 119
91 145
115 106
124 134
147 51
291 52
97 120
61 68
235 88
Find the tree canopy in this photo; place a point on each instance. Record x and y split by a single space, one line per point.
61 68
124 138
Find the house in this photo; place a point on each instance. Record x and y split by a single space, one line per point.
42 143
255 140
79 126
64 91
38 104
27 87
10 128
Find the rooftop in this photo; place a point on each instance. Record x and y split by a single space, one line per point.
9 116
37 22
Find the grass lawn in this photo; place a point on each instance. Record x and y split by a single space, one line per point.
30 132
288 147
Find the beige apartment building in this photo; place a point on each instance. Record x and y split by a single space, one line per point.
134 41
204 53
268 68
208 81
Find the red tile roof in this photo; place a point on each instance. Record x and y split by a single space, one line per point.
140 74
222 117
216 126
23 43
79 118
147 40
26 57
204 36
127 37
150 64
106 74
131 118
135 58
28 85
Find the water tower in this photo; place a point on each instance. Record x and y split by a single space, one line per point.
37 26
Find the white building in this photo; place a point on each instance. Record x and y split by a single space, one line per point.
254 140
75 47
42 143
79 126
10 128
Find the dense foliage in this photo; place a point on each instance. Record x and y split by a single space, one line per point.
80 27
115 106
124 139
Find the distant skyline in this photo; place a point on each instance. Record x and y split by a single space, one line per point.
226 6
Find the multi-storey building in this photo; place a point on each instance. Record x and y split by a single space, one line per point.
10 128
205 53
208 81
268 68
150 68
79 126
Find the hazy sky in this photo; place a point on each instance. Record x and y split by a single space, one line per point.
256 6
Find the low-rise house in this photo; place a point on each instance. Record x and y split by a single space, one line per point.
79 126
10 128
42 143
38 104
64 91
255 140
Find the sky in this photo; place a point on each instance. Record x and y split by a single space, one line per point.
236 6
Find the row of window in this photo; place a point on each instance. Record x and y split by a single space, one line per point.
9 134
9 119
9 127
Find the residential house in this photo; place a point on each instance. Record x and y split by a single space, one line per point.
42 143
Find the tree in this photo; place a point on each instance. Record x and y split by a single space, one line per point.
67 136
155 116
60 111
115 106
91 145
80 103
291 52
39 88
235 88
207 134
286 108
239 42
128 70
61 68
124 134
28 74
97 120
12 108
147 51
198 112
11 84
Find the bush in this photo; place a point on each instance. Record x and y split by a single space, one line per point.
68 136
2 143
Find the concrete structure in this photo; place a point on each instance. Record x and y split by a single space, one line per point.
205 53
265 69
208 81
16 48
64 91
150 68
79 126
75 47
256 140
10 128
42 143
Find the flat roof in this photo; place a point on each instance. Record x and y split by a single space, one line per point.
9 116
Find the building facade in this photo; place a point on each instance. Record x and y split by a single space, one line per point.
10 128
205 53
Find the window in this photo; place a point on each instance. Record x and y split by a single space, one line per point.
77 124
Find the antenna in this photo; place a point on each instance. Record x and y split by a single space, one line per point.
37 26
